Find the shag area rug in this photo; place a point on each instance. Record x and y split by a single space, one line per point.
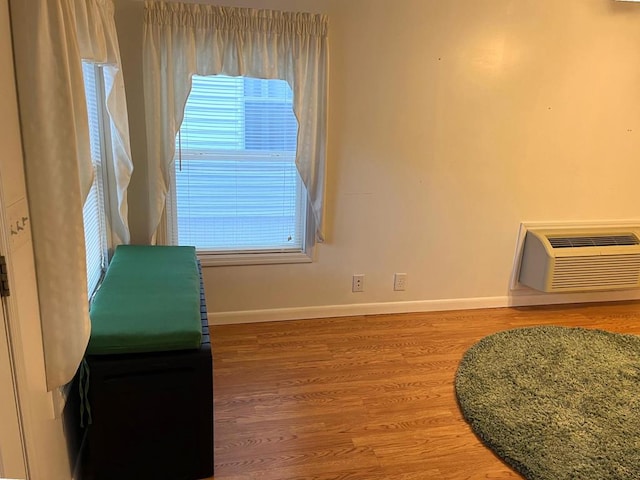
556 403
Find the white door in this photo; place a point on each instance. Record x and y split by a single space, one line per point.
12 464
12 456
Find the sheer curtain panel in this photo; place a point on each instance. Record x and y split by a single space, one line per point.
98 42
50 39
181 40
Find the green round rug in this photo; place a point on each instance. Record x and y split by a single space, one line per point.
556 403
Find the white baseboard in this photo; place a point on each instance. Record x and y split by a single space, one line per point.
326 311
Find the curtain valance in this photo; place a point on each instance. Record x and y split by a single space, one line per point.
238 19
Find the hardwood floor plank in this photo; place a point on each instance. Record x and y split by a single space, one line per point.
364 398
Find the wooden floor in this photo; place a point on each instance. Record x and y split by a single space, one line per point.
367 397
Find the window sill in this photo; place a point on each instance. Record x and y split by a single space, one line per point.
208 259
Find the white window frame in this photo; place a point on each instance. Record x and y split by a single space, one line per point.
246 257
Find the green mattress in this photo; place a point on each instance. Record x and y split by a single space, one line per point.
149 301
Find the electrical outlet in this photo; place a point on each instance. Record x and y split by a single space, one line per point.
357 283
400 282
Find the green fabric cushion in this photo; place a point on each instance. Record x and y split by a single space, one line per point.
149 301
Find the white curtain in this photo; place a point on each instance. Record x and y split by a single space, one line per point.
50 39
181 40
98 42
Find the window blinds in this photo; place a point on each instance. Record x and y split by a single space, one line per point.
237 186
93 210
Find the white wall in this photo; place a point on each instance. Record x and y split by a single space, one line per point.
45 439
450 123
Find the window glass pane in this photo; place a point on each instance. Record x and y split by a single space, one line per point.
237 186
269 121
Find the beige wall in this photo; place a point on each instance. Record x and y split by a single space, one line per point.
450 123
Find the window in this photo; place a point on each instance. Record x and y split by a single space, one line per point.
236 188
95 228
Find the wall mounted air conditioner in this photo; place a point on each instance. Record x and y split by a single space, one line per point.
570 260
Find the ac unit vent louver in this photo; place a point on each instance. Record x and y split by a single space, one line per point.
593 241
581 260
